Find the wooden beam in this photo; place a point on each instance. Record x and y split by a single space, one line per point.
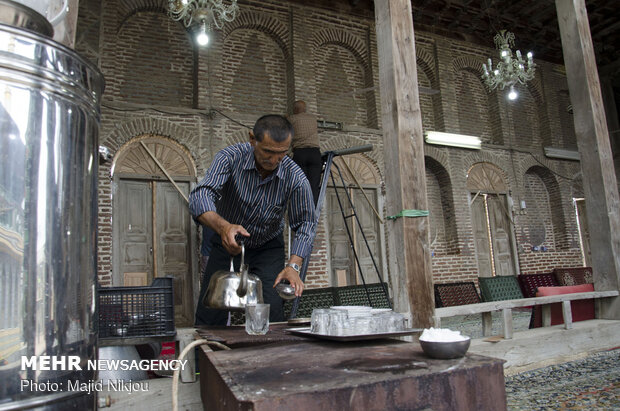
599 179
405 178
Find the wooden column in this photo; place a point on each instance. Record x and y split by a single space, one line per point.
405 180
599 179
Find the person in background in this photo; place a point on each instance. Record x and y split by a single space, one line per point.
245 192
306 150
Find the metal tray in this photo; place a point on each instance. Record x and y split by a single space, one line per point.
305 331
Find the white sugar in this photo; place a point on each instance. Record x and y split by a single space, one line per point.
441 335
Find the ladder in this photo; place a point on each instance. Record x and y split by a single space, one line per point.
328 162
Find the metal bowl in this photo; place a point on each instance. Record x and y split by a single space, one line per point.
445 350
285 290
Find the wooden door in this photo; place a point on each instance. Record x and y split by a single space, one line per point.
481 237
172 251
154 228
371 230
501 235
493 235
341 249
134 230
342 260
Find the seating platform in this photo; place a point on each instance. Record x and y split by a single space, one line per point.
506 306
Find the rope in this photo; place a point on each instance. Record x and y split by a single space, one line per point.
409 213
175 375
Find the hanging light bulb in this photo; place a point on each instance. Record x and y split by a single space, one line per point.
513 93
202 38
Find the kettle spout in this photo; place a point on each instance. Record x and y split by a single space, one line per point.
242 290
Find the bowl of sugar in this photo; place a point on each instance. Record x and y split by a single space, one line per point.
444 344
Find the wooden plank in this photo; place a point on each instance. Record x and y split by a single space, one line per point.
405 175
568 315
546 315
186 336
507 315
522 302
135 279
538 347
487 324
599 178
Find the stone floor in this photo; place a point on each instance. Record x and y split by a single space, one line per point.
591 383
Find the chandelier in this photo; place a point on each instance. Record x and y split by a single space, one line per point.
202 15
510 70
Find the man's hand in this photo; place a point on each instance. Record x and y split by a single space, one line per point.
290 274
229 241
227 231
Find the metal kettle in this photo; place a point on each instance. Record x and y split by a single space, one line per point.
232 290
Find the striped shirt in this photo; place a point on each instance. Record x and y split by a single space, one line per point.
234 189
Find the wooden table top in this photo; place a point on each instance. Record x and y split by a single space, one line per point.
236 337
310 374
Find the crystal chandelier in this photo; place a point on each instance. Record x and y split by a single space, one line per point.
509 70
202 15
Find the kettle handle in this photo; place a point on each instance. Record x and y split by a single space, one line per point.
239 240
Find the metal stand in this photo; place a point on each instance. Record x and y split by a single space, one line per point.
328 163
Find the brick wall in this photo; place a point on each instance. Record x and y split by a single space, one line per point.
275 53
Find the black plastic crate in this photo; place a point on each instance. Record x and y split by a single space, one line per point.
129 312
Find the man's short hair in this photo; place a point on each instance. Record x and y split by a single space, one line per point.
277 126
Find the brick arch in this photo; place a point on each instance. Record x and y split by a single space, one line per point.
177 154
239 136
449 242
127 131
574 168
533 160
355 45
437 154
558 219
493 122
485 157
469 63
577 186
270 26
338 142
362 167
426 63
129 8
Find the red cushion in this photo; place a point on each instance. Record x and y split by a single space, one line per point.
581 309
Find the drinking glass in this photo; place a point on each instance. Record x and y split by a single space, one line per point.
256 319
338 323
319 320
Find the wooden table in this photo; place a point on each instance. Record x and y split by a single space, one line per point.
312 374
